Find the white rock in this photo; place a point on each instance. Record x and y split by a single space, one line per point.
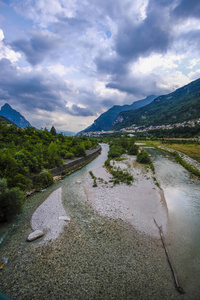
78 181
35 234
65 218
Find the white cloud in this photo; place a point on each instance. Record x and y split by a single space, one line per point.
60 69
43 12
164 62
173 80
6 52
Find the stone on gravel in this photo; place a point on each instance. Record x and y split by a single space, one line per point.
35 235
65 218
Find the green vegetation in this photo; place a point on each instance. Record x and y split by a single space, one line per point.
185 164
120 144
144 158
118 174
94 178
176 132
11 201
27 154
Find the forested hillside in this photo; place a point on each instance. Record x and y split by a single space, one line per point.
105 120
179 106
26 155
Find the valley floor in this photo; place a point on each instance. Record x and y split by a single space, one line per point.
110 249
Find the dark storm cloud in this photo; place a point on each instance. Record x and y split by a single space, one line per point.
41 90
32 90
134 40
187 8
76 110
115 66
151 35
37 48
148 37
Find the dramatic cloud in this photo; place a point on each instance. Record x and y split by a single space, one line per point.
32 90
38 47
187 9
66 62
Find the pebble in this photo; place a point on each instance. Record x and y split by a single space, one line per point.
35 235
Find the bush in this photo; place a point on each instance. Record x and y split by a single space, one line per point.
115 151
133 150
143 157
11 201
42 180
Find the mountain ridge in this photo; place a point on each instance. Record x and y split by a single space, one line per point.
105 120
13 115
181 105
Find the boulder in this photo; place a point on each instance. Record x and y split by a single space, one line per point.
35 235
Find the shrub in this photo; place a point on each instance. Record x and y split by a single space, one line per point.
42 180
115 151
133 150
11 201
143 157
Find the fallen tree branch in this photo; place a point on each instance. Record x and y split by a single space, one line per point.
178 287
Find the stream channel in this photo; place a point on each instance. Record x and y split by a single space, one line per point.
182 194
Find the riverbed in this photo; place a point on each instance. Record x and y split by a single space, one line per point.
96 256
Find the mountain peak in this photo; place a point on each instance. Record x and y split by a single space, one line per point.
6 106
14 116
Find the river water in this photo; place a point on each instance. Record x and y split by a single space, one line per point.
182 194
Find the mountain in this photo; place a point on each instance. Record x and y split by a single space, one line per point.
179 106
66 133
4 119
105 120
13 115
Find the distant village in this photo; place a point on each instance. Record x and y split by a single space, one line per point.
134 128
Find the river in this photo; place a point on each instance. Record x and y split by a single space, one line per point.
182 194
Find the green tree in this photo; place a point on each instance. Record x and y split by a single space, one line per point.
11 201
42 180
53 130
143 157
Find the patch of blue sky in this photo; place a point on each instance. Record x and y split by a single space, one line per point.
12 24
108 33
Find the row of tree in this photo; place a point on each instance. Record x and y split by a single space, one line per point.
27 154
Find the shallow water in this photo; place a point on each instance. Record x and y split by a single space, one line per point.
182 194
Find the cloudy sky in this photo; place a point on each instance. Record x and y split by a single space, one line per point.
64 62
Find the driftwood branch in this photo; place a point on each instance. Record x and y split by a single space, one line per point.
178 287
